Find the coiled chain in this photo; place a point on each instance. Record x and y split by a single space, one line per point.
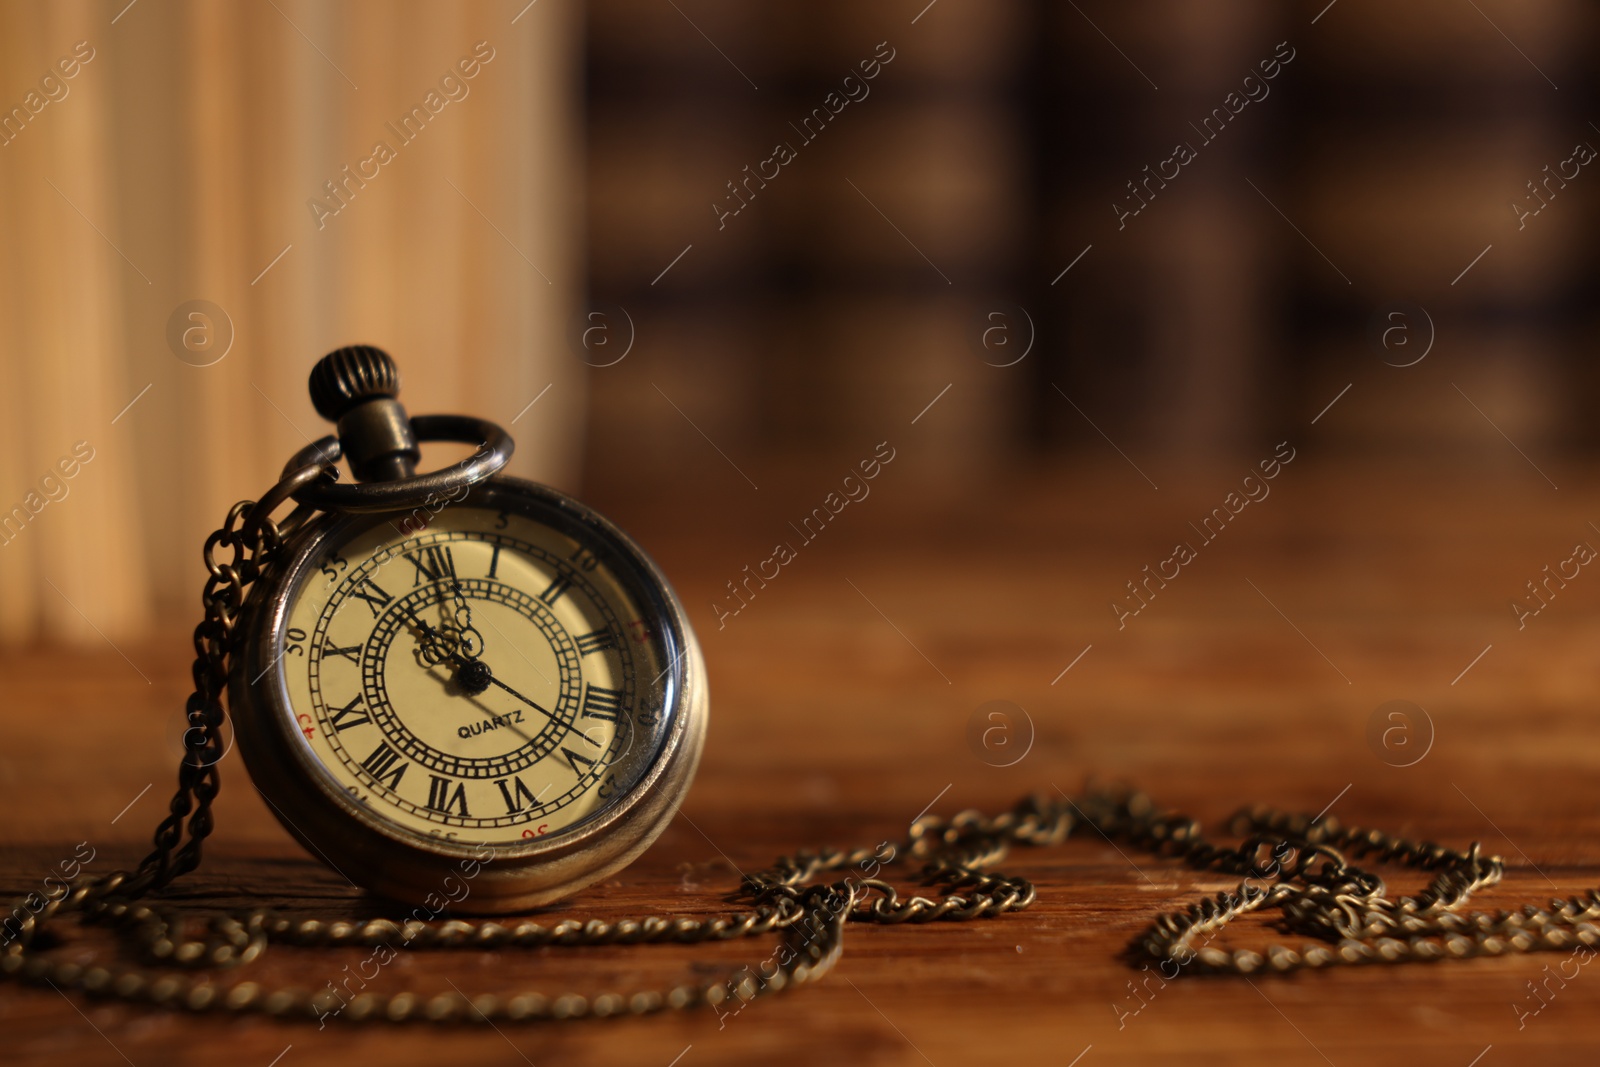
1295 863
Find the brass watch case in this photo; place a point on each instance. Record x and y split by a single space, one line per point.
402 864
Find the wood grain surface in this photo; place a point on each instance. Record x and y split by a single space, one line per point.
841 700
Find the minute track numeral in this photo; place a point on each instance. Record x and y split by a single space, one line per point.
555 589
441 799
381 765
353 653
348 716
596 641
602 703
373 593
518 796
432 563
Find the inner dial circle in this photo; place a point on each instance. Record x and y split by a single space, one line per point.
484 735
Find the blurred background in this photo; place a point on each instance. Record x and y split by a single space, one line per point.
639 230
1067 271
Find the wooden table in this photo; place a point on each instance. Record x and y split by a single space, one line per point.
842 696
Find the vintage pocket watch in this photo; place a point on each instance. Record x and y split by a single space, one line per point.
470 692
459 671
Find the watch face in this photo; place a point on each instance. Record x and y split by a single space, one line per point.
498 671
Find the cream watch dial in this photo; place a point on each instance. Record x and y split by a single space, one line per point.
485 679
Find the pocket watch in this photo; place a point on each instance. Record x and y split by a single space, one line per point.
471 692
459 671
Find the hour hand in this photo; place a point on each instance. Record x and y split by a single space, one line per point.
463 607
432 643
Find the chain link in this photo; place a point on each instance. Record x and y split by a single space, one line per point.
1295 863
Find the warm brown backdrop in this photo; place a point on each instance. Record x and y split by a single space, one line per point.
840 309
1383 160
829 727
178 166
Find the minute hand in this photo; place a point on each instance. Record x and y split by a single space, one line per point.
432 637
495 681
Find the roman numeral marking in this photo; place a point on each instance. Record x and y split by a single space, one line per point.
597 641
574 758
432 564
373 593
381 765
348 716
441 799
517 796
353 653
602 703
553 591
494 561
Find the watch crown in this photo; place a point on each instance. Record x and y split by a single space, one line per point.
355 387
348 377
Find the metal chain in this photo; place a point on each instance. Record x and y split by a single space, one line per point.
1298 864
1305 862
